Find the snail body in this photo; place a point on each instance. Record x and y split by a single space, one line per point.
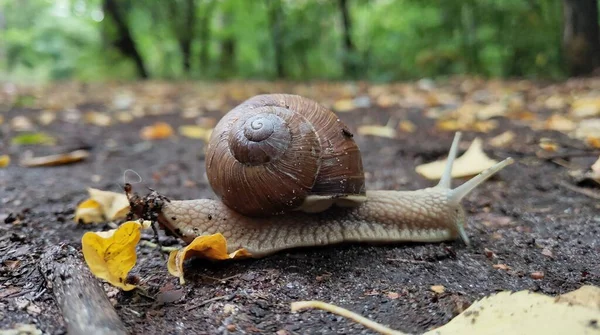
319 211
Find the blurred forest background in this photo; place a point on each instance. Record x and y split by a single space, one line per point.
378 40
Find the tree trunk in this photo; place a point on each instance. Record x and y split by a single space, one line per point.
205 34
124 41
581 36
188 34
227 49
276 22
349 63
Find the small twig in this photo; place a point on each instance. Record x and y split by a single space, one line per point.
295 306
188 308
221 280
405 260
39 294
580 190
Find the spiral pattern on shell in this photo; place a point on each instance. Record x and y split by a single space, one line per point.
272 151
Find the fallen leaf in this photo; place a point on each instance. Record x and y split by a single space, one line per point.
125 117
111 255
102 206
157 131
490 111
593 141
595 171
587 295
196 132
47 117
55 160
559 123
537 275
438 289
344 105
521 313
97 119
33 139
586 107
472 162
501 267
407 126
212 247
22 329
21 123
548 145
380 131
503 139
4 160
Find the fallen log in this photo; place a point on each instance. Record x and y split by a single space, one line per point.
82 301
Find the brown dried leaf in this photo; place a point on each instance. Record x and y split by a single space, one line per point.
503 139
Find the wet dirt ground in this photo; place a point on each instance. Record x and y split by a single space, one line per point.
523 221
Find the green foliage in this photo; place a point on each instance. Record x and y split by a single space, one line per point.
394 39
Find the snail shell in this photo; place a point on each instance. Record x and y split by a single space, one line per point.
276 153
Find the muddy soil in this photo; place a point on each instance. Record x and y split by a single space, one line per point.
522 219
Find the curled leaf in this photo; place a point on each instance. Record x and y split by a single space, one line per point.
472 162
102 206
111 255
212 247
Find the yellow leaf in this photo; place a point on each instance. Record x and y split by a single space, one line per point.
101 206
593 141
374 130
472 162
97 119
407 126
344 105
111 255
587 107
196 132
4 160
89 211
549 145
212 247
157 131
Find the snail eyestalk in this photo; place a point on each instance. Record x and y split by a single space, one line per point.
457 194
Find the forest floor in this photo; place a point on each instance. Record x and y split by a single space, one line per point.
534 226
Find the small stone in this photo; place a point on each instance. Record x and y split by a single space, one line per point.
33 309
537 275
393 295
231 328
488 253
439 289
547 252
282 332
228 309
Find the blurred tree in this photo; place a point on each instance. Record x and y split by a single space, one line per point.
581 36
206 13
123 40
350 54
276 24
184 28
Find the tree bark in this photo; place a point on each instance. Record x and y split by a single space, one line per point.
124 41
349 63
276 22
581 36
184 29
79 295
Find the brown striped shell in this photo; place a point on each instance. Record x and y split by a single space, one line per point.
276 153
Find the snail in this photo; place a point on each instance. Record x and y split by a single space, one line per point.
288 174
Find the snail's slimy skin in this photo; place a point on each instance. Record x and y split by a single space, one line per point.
426 215
432 214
